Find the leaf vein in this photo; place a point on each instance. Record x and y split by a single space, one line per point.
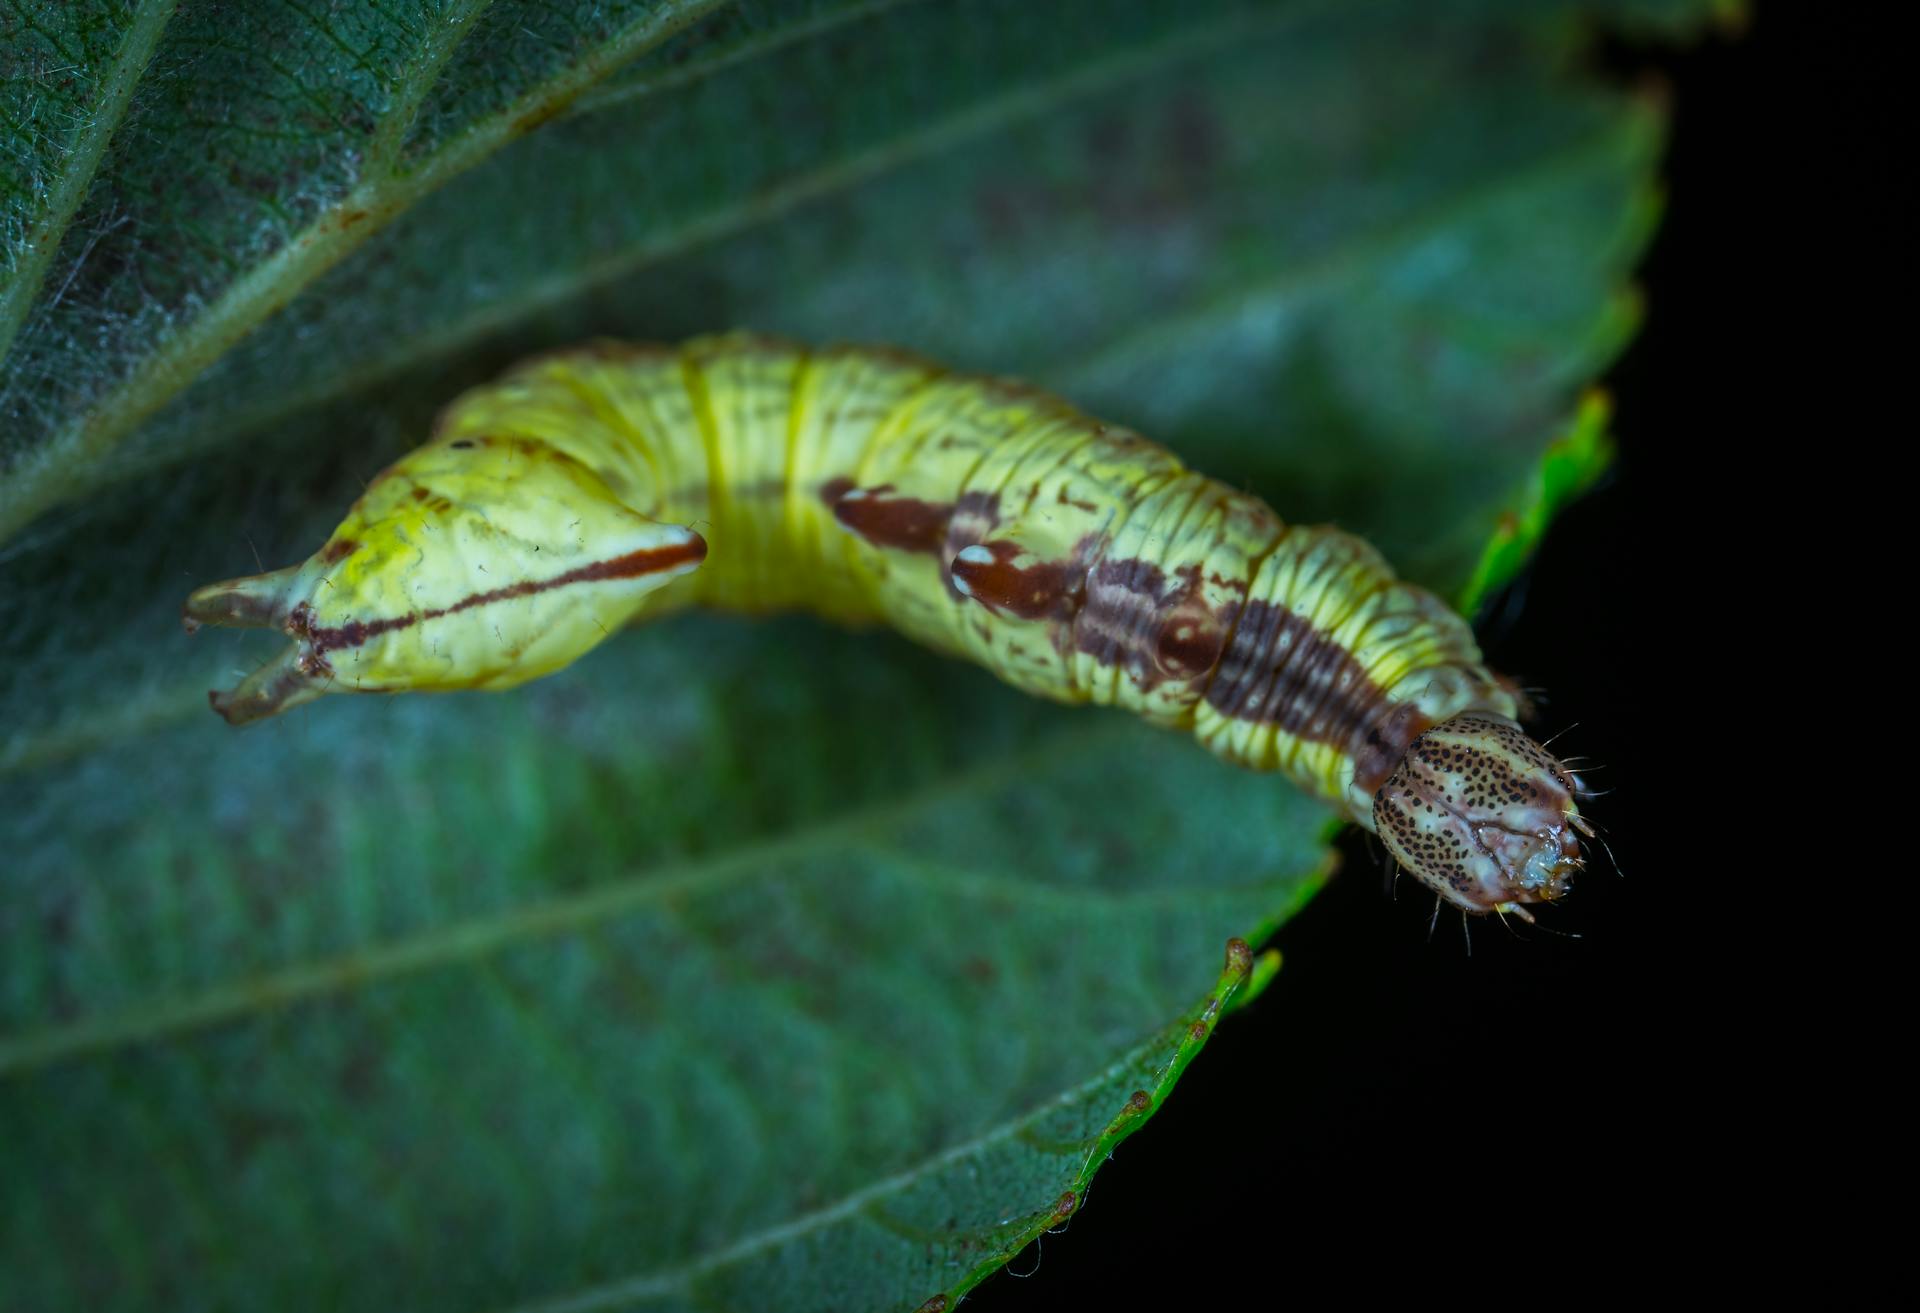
76 177
482 937
48 473
680 1280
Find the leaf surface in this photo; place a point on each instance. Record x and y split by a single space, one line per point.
747 964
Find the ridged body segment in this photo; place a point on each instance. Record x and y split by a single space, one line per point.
1077 560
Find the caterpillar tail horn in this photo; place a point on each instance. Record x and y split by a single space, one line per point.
254 601
280 685
259 601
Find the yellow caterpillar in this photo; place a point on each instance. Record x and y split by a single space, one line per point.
1078 561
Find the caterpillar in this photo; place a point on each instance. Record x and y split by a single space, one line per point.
1076 560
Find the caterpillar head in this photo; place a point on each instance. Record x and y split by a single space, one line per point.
1483 815
474 563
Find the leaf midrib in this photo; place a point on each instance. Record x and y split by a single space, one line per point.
47 474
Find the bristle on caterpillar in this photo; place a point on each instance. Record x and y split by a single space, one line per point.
1076 560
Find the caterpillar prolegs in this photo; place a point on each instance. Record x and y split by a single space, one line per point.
1076 560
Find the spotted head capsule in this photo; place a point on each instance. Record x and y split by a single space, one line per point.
1483 815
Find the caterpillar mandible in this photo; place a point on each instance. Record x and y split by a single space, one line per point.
1076 560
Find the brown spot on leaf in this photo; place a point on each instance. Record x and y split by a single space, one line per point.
1239 955
542 114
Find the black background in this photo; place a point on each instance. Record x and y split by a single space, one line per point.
1396 1111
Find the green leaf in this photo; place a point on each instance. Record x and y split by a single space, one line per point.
1572 463
746 964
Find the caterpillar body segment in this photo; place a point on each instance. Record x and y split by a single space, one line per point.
479 562
605 485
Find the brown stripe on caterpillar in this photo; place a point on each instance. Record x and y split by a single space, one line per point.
941 529
909 524
1275 669
1278 669
631 566
1134 617
904 524
975 515
1382 746
1008 580
304 670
